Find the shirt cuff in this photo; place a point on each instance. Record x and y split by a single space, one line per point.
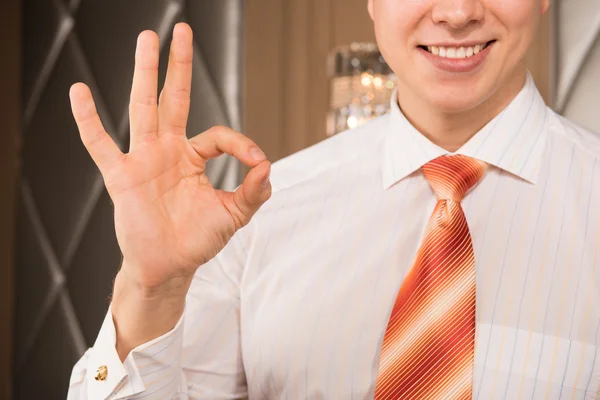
155 364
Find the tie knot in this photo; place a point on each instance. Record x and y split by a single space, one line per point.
452 176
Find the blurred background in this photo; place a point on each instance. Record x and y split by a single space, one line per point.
288 73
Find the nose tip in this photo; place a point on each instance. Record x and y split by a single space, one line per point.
458 13
458 20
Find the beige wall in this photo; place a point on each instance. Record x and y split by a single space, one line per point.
10 101
287 43
577 46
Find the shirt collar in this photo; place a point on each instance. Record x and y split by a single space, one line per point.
513 141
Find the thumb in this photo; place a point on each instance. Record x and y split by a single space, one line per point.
252 194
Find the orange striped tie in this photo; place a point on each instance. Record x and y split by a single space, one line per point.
429 344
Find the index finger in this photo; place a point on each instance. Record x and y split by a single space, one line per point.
220 139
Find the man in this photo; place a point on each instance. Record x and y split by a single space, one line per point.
447 250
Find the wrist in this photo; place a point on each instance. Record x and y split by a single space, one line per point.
141 314
172 288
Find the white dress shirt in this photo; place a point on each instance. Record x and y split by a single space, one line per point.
296 305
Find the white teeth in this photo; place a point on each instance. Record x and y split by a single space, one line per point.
456 52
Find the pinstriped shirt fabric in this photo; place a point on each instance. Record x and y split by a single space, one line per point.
297 304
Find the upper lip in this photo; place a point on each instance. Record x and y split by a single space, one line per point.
470 43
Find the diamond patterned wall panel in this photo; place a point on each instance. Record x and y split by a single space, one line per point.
212 35
56 165
108 33
37 276
45 20
90 276
52 357
67 254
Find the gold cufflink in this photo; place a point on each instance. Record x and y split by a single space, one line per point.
101 373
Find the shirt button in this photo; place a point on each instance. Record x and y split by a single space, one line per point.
101 373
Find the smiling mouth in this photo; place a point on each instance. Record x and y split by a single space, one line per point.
457 52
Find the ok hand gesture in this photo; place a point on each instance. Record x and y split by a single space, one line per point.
169 219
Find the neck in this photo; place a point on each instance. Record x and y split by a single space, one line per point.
451 130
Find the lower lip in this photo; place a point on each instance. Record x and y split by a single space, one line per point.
458 65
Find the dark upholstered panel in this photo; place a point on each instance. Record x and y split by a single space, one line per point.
67 253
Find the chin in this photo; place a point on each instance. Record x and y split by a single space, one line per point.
452 100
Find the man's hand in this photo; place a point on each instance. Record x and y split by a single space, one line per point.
169 219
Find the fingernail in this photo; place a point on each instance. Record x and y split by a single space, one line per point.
257 154
265 181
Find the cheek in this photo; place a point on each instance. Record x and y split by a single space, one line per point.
395 21
519 19
518 16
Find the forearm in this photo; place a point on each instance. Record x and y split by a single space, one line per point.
141 314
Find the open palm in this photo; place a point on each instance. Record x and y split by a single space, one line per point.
169 219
